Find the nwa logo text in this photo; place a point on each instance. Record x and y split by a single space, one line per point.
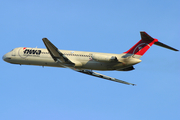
25 52
32 52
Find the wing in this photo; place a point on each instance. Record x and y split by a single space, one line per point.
65 62
89 72
56 54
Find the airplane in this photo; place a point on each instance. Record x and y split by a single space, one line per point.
84 62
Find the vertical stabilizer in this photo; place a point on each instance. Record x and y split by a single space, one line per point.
142 46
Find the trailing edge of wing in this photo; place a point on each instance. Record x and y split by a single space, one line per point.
89 72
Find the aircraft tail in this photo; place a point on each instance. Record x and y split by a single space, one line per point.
144 44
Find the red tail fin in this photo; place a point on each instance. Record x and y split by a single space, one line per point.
143 45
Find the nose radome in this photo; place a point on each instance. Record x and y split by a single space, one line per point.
4 56
7 57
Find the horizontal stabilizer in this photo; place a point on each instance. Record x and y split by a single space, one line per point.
146 37
165 46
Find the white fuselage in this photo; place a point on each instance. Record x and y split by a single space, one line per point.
83 60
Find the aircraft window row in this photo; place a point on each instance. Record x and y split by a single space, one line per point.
70 54
77 55
45 52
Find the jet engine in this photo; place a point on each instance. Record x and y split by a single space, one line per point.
77 64
104 58
126 69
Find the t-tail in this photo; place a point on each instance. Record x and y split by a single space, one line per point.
144 44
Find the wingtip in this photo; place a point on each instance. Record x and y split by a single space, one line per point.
133 84
44 38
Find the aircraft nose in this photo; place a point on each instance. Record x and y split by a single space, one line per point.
7 57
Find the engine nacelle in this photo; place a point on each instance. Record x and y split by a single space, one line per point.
78 64
126 69
104 58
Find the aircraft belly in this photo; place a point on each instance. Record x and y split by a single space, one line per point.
35 61
98 66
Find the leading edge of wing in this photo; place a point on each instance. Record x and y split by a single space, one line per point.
55 53
89 72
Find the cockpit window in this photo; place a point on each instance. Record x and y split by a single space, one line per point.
12 49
